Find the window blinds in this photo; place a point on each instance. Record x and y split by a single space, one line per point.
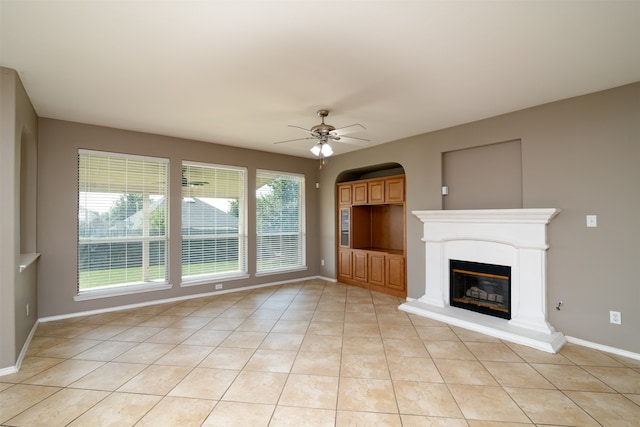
213 221
122 220
280 226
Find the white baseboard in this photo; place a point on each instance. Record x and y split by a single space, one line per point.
14 369
8 371
168 300
605 348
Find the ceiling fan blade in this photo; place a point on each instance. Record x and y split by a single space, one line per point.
300 127
293 140
352 140
356 127
353 137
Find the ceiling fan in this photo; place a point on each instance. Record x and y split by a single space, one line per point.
325 133
188 183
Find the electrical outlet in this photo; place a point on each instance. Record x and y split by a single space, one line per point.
218 286
615 317
27 310
322 262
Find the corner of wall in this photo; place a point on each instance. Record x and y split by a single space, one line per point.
18 118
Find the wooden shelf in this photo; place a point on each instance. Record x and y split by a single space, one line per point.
383 250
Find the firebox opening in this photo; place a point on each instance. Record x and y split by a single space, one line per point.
484 288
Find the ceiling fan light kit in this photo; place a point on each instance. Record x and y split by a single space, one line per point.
322 149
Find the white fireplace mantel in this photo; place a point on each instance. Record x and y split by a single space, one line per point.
510 237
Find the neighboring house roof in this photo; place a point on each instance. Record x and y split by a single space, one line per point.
199 215
196 216
86 216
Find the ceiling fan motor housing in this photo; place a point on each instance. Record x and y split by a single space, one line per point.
322 129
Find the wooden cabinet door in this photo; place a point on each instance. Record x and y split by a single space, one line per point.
360 265
376 191
344 223
345 266
344 194
394 190
395 277
359 193
376 268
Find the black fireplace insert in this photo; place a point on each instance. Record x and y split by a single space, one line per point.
484 288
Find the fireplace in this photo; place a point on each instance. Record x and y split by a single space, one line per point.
484 288
514 238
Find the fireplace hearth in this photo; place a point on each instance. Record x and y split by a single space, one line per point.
484 288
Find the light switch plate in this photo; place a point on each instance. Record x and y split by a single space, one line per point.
592 220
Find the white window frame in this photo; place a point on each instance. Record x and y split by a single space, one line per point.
301 232
146 285
241 273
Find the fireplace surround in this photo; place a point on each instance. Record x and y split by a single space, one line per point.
516 238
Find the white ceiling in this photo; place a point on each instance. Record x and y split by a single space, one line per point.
238 72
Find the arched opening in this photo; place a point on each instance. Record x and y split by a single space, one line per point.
374 171
371 235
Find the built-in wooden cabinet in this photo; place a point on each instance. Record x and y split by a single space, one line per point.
360 263
376 191
360 193
370 192
376 267
394 190
344 194
345 265
395 277
344 232
371 242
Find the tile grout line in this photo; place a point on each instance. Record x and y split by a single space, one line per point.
70 337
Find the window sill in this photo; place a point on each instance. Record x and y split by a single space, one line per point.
121 290
208 280
281 271
27 259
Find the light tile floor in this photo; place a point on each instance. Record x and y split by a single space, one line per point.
305 354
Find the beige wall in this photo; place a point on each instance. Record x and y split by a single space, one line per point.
57 205
581 155
18 135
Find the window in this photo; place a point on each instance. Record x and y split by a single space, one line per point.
213 221
122 224
280 223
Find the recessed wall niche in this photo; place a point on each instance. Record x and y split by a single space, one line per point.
484 177
28 193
